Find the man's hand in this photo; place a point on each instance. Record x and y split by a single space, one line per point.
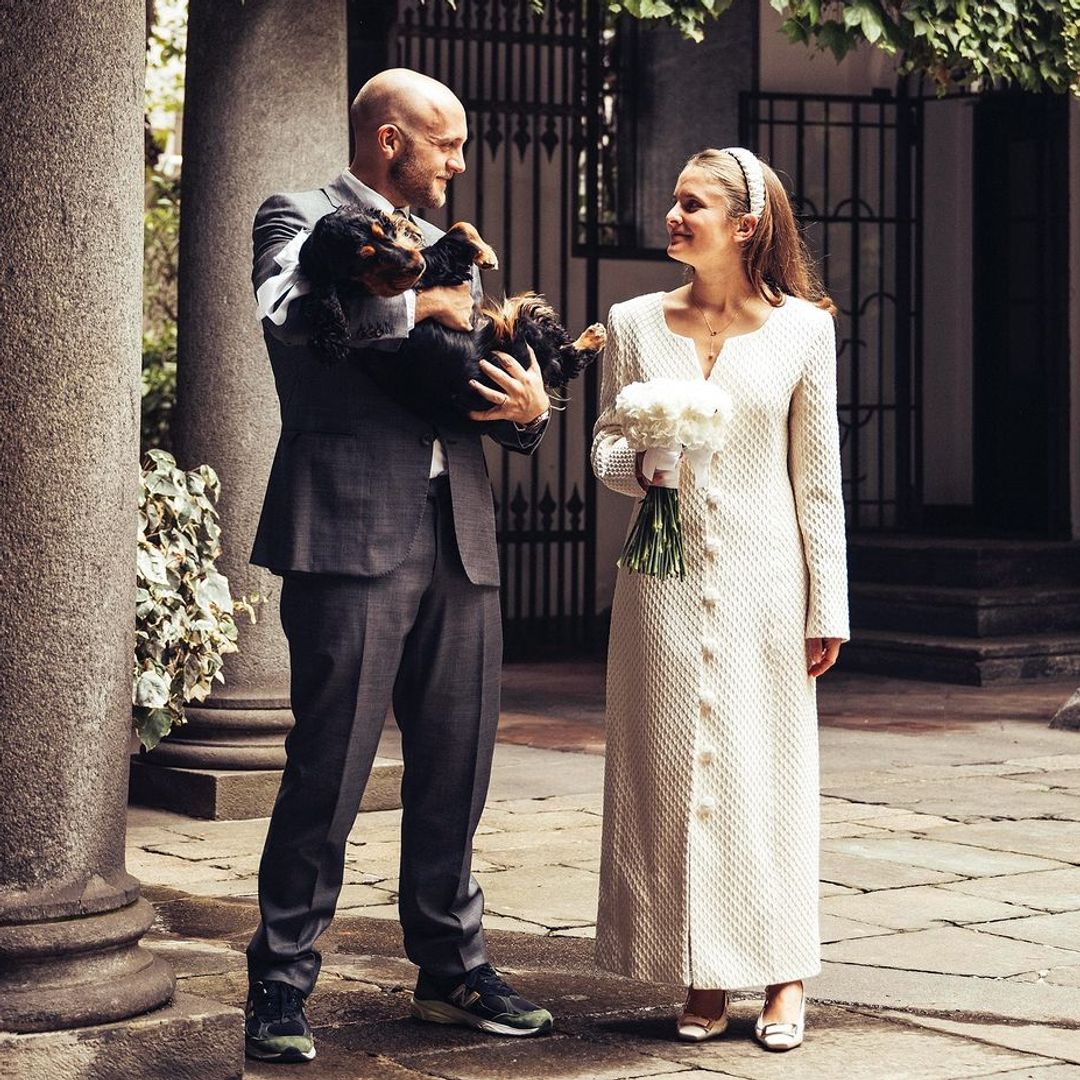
521 396
451 305
821 653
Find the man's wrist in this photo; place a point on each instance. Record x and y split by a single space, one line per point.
535 424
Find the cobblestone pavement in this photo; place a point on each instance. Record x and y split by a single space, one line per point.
950 914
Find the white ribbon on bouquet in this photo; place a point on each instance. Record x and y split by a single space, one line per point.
660 464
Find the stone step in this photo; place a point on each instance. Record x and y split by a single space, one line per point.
971 661
962 612
899 559
237 794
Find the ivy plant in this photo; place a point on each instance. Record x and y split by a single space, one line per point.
184 610
1030 44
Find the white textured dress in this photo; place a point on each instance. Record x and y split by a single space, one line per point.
709 868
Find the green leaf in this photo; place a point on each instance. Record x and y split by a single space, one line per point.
151 690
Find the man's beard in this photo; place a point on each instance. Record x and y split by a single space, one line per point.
412 181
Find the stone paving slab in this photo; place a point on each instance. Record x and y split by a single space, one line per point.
544 1059
835 928
918 907
1055 840
837 1043
1029 998
860 872
934 854
1043 890
951 950
1062 931
1046 1072
568 898
1041 1039
1008 798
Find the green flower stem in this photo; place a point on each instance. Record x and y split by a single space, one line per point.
654 546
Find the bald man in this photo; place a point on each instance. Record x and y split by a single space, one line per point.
380 522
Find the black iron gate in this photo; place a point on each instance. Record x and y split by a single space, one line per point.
523 78
854 167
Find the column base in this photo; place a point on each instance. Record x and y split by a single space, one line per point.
190 1036
72 972
1067 717
233 795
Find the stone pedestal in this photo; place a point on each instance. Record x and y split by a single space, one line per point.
189 1037
265 111
71 170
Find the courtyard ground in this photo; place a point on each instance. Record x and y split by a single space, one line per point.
950 917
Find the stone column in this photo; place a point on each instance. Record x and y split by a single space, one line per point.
266 110
70 295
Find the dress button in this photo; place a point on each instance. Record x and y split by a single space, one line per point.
706 806
709 597
427 440
712 547
712 497
708 648
705 756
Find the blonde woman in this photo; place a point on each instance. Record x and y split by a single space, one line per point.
709 874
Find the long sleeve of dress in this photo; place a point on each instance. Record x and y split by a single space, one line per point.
612 459
814 466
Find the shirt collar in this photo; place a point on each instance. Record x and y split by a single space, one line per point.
370 194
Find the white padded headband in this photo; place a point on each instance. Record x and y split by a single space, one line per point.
752 174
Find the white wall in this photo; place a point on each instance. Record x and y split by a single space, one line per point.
796 69
947 278
947 304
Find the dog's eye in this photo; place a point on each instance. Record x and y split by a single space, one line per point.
366 251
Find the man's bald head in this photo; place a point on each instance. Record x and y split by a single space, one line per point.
402 97
409 133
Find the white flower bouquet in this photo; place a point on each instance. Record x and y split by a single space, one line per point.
667 419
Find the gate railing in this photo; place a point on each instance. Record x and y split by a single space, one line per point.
523 78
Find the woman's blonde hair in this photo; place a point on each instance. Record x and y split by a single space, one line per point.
775 257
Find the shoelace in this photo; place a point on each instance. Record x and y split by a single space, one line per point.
278 1001
486 980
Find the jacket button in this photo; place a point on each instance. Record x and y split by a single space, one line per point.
427 440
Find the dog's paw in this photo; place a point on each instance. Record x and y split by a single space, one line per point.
592 338
485 256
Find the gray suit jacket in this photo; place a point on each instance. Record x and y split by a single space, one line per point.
350 475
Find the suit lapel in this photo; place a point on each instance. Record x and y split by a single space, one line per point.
340 193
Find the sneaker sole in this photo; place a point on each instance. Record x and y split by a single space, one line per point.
439 1012
283 1057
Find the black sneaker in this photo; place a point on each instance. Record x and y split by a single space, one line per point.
480 1000
275 1027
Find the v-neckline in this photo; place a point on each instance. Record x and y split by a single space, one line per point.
693 344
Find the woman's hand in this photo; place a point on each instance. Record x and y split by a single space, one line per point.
660 478
521 396
821 654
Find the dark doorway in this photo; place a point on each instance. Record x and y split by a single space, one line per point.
1021 276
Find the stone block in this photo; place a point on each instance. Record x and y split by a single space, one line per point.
188 1039
233 794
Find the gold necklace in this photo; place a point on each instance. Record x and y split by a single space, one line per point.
711 349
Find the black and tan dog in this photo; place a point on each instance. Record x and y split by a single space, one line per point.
365 250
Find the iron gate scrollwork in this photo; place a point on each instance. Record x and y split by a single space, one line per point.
854 167
523 78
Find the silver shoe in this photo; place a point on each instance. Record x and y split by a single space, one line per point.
781 1036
